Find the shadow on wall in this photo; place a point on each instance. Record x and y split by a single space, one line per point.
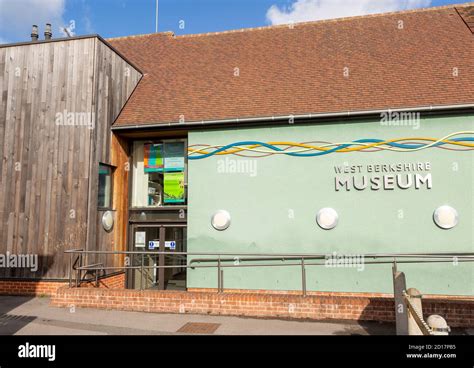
15 279
19 285
25 266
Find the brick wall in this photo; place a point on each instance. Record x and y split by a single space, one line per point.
44 287
30 288
459 311
110 282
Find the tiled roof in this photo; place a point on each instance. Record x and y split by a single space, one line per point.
395 60
467 13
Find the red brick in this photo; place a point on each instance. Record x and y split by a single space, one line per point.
368 306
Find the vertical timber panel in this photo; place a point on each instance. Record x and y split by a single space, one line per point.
41 163
49 161
117 80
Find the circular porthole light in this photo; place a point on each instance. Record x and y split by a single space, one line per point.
220 220
327 218
108 221
446 217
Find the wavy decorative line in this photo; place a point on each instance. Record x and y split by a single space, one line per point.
263 149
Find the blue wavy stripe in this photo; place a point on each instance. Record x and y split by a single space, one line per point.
322 153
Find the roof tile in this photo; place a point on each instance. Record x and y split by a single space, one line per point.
394 60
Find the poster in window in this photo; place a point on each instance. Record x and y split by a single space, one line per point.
174 187
140 237
153 157
174 156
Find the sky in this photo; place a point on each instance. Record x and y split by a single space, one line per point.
114 18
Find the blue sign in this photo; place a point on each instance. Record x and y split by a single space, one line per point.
153 244
170 244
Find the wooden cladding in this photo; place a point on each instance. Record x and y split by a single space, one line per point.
57 103
115 80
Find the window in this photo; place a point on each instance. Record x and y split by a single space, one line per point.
105 186
159 173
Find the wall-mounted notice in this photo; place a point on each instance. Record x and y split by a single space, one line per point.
174 156
154 244
174 187
140 237
153 157
170 244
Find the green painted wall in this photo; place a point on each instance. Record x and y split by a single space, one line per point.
369 221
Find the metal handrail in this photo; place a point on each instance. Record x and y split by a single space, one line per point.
91 266
366 255
221 262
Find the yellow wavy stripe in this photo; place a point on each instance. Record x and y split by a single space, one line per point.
360 146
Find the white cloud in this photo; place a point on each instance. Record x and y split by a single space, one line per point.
307 10
17 17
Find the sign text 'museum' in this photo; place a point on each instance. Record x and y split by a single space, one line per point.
385 177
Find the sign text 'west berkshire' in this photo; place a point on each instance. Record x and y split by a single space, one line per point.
383 176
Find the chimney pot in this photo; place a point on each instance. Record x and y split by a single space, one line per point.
34 33
47 32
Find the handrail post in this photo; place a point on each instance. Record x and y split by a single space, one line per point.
222 280
219 275
303 276
141 271
78 270
70 269
81 262
104 273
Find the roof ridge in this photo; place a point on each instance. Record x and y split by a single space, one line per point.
165 33
298 24
332 20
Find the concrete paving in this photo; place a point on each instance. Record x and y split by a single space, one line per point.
34 316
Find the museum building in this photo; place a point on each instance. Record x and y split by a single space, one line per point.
225 161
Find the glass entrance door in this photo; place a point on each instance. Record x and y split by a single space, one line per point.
157 239
175 242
